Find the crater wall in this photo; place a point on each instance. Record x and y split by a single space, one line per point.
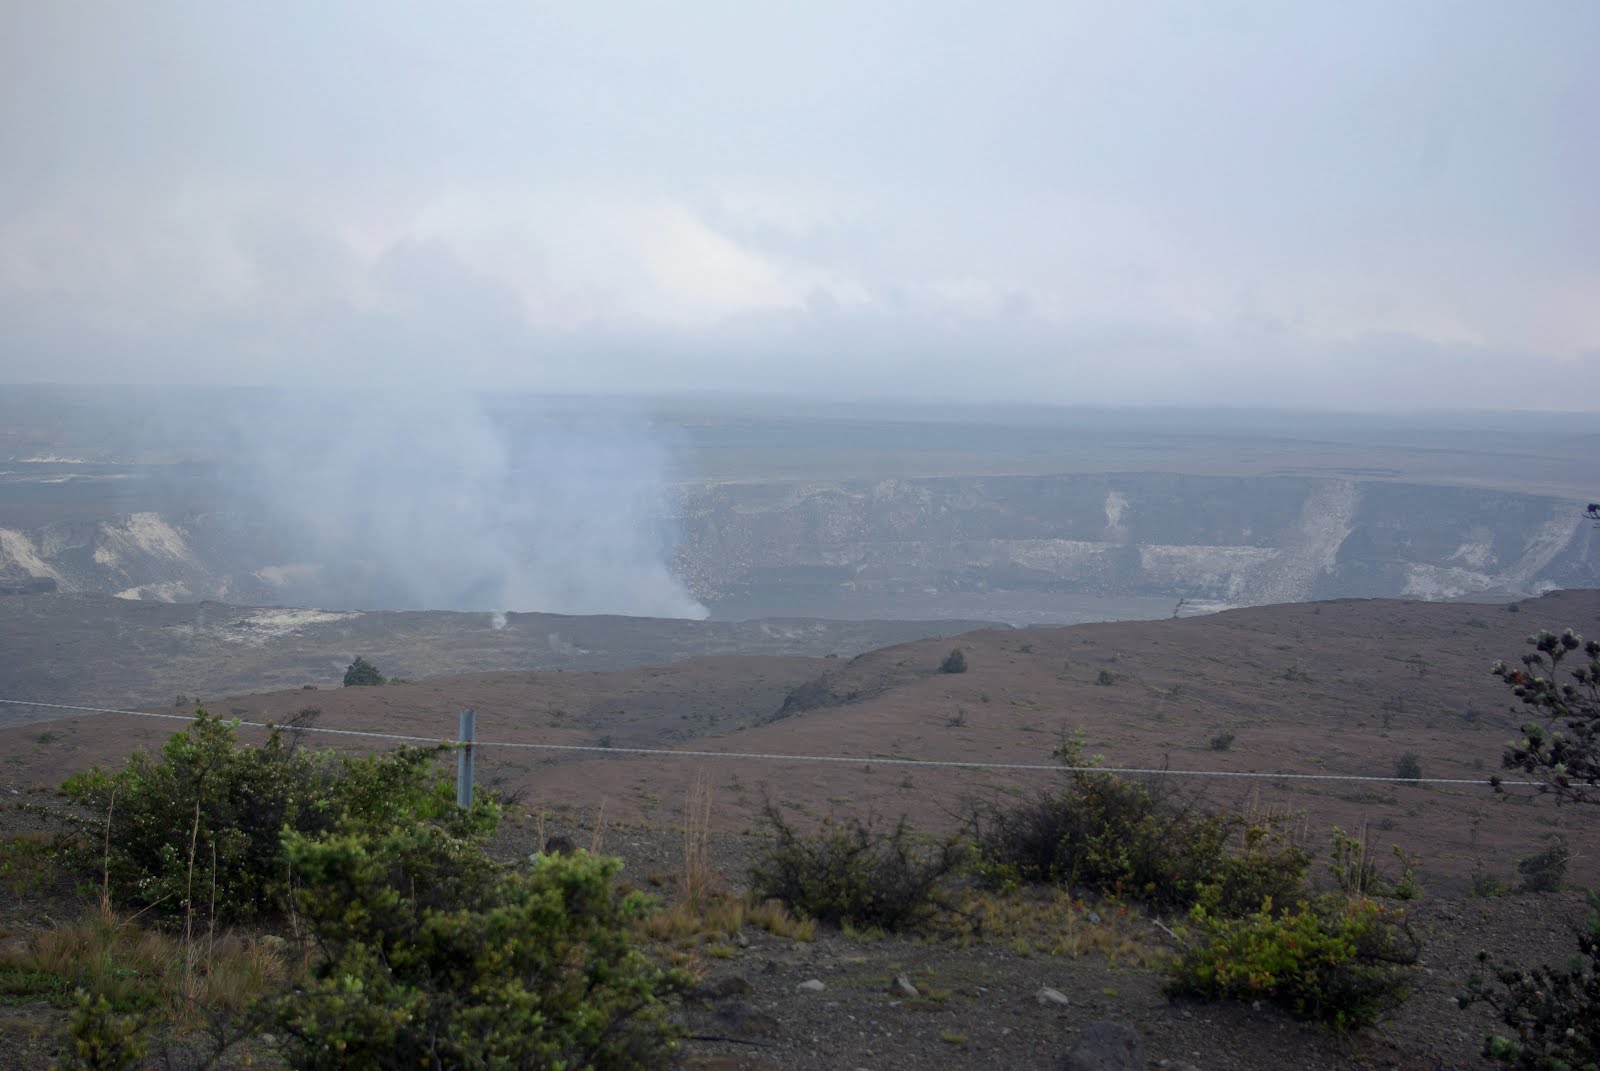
1225 540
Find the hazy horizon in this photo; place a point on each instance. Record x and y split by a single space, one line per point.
1343 207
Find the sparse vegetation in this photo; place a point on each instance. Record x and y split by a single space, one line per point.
1544 871
27 864
852 872
1105 678
207 818
1408 766
1106 834
954 662
1553 1013
430 953
1222 741
139 969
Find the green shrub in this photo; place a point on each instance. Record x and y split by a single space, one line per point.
438 957
1222 741
1543 872
852 873
1553 1013
954 662
362 674
1338 961
206 819
98 1039
1116 836
1105 678
1408 766
1486 885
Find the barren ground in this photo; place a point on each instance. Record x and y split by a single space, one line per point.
1339 688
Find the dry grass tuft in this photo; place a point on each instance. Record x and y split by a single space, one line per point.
135 967
719 916
1051 922
705 911
27 863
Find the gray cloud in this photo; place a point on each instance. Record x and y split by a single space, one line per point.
1051 202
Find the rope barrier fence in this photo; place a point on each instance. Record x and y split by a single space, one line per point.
757 756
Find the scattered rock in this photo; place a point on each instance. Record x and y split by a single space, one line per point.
1107 1046
721 989
813 985
902 987
742 1017
1048 997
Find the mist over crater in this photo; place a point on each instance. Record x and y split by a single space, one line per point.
674 509
406 502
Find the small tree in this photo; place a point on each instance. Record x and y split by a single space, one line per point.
1563 750
954 662
1553 1013
362 674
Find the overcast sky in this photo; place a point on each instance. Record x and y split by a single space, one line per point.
1390 204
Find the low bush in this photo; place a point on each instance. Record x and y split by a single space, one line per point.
1342 962
1223 741
99 1039
1117 836
855 874
1553 1012
205 821
1408 766
1543 872
438 957
954 662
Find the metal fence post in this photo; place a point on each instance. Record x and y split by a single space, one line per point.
467 731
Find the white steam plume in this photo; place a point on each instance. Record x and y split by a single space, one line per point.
390 501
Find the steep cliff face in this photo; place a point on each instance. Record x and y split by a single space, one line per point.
1218 540
144 555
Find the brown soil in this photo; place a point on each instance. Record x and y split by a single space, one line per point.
1341 688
